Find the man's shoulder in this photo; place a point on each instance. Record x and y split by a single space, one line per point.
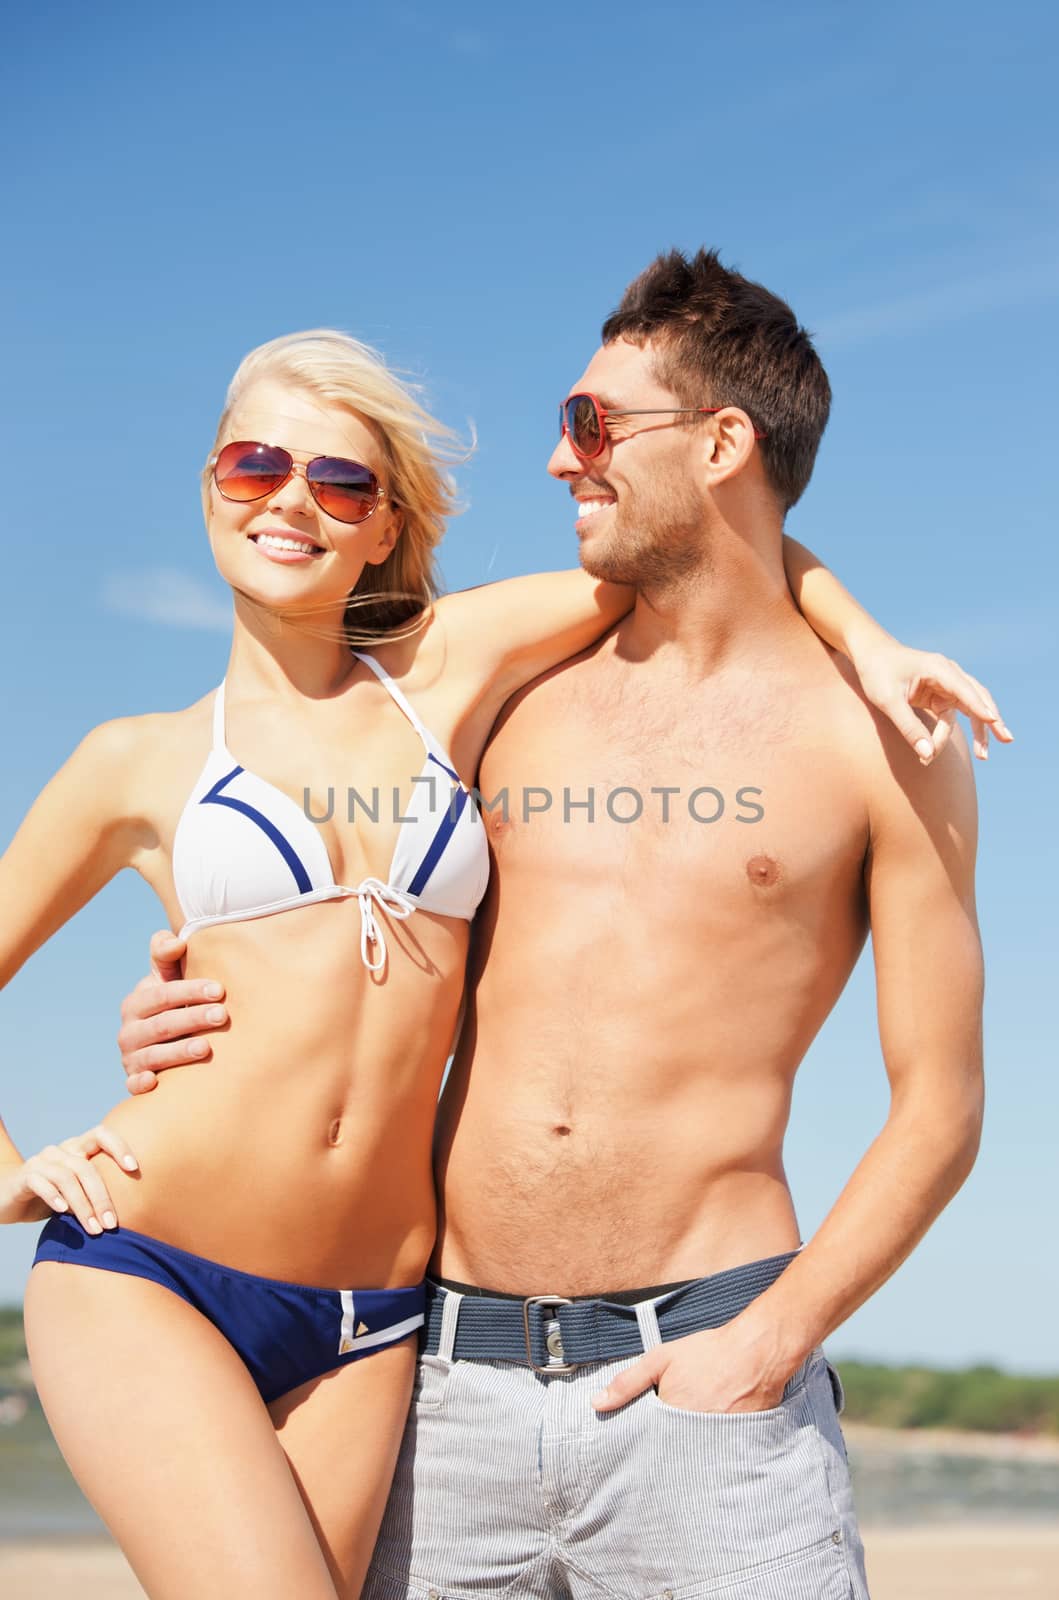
895 783
565 684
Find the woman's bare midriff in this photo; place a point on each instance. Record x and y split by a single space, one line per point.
300 1149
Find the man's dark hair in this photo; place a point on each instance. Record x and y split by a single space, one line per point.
725 341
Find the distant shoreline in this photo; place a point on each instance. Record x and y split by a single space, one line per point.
871 1438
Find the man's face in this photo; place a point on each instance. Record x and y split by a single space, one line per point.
642 502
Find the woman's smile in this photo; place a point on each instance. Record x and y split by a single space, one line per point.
287 548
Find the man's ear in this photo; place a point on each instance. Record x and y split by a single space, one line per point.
728 446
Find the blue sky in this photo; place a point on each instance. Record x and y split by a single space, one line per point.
470 188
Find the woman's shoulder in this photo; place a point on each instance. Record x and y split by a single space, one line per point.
146 743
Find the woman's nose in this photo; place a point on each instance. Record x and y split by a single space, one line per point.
293 494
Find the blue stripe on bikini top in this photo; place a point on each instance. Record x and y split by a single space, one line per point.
244 849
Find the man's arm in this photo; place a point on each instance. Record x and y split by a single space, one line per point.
920 882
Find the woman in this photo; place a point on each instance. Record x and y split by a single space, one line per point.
278 1212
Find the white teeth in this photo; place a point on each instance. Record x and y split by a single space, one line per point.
587 507
277 543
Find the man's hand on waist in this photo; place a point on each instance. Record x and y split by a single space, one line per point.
164 1016
741 1366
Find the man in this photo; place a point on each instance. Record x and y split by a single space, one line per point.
662 939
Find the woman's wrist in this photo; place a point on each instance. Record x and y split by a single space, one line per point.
862 636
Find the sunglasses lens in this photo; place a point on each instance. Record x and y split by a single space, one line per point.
344 489
248 471
583 425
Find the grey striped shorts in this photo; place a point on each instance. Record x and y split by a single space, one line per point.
508 1483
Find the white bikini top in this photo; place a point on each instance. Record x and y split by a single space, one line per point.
245 849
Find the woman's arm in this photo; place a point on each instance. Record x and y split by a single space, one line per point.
79 832
504 634
896 678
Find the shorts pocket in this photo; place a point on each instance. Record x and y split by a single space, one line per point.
728 1495
836 1388
793 1390
816 1573
431 1382
771 1413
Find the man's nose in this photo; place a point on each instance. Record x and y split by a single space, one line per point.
564 461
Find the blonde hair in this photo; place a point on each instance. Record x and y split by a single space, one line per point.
418 449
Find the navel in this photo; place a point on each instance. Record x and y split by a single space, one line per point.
763 871
334 1132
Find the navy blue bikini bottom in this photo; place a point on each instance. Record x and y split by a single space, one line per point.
285 1333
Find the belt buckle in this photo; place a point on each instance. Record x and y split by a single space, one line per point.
555 1300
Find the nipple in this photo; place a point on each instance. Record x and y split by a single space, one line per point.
762 871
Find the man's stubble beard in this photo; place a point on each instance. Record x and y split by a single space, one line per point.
657 541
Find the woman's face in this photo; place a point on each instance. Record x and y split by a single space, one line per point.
251 539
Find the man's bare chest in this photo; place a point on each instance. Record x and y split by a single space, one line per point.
731 805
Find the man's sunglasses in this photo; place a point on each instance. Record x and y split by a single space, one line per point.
246 471
583 420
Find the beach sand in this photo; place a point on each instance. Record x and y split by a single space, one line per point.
955 1561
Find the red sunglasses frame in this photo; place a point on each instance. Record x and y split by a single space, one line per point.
602 412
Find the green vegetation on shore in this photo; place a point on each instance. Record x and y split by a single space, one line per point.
979 1398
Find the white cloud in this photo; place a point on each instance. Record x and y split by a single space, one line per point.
169 597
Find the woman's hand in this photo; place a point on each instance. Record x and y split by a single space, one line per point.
902 681
62 1178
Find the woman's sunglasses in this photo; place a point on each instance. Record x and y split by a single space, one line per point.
246 471
583 420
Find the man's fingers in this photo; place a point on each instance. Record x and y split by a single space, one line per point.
141 1082
152 996
155 1058
637 1379
167 954
177 1017
168 1038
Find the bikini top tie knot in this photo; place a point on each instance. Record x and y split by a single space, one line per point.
394 901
